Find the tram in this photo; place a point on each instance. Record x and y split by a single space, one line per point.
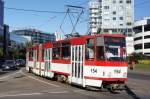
88 61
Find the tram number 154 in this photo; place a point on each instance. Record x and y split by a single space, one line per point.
94 71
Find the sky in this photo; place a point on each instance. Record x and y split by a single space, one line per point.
50 22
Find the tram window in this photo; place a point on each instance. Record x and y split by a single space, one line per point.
56 53
30 54
37 55
42 54
66 50
90 49
100 53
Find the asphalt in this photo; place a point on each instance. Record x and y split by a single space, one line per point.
139 84
22 85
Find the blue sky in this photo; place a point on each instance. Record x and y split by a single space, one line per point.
51 22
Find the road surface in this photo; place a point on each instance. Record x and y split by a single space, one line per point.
22 85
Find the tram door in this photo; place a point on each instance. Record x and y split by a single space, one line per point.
35 52
47 62
77 53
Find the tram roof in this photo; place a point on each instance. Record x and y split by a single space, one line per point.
76 40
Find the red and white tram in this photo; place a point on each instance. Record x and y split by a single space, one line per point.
97 61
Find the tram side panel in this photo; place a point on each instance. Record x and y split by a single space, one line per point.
96 75
60 68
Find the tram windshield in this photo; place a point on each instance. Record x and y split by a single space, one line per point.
111 48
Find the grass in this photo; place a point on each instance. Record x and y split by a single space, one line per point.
144 67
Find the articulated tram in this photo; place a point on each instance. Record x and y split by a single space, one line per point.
95 61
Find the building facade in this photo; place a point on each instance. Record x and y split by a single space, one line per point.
111 16
36 35
142 36
1 22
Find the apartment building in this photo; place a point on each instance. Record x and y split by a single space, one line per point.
111 16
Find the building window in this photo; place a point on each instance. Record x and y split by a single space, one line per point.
114 30
121 18
120 1
147 37
114 18
128 1
137 38
129 23
106 7
138 46
121 24
146 28
114 1
114 12
146 45
138 29
105 30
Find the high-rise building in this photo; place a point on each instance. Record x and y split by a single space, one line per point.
37 36
1 22
111 16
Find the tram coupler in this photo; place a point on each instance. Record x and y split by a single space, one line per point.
114 87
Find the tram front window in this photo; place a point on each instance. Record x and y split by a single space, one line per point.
115 49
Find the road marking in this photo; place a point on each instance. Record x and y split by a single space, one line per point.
58 92
4 77
39 80
31 94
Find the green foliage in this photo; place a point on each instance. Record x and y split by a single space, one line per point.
139 58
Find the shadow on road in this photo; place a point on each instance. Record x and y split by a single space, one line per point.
131 93
3 72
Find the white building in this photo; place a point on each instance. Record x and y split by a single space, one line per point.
142 36
111 16
129 45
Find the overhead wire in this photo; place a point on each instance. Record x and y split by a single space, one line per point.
37 11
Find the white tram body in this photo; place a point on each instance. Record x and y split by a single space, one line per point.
81 60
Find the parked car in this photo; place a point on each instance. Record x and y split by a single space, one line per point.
20 62
9 65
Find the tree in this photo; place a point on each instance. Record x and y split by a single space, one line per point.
1 52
